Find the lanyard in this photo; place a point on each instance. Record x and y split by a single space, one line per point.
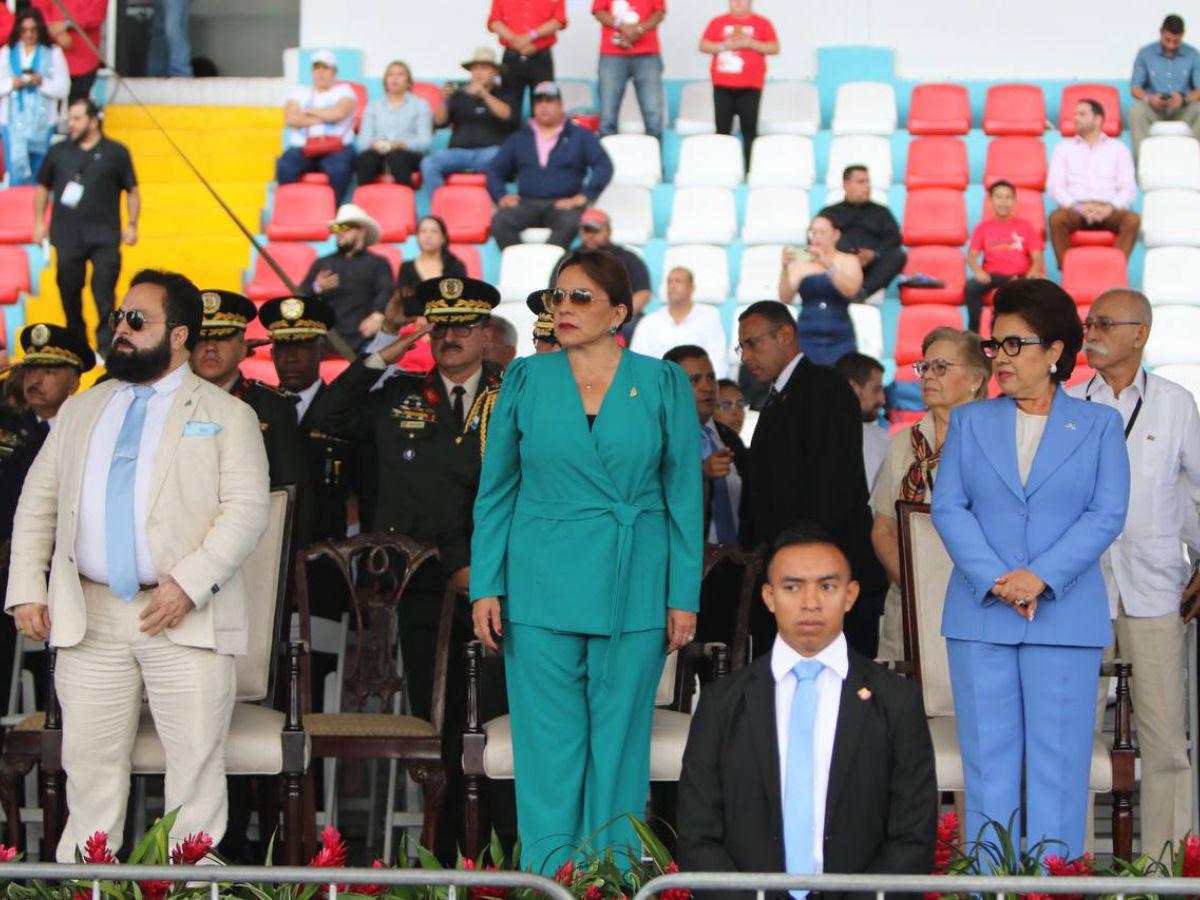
1132 419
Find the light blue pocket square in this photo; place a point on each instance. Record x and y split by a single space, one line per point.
200 429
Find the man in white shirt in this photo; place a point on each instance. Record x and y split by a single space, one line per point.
681 322
147 497
1145 569
865 376
320 118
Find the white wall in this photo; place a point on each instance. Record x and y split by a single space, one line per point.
934 39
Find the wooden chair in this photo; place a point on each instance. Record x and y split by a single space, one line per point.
751 564
925 569
264 740
376 571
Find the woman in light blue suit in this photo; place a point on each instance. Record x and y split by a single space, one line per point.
586 560
1032 488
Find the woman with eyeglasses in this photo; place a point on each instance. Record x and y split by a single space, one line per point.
826 280
953 371
731 405
1031 490
33 80
592 453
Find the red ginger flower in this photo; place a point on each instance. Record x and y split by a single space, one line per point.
333 852
95 850
594 892
370 889
947 840
7 854
674 893
154 890
565 873
1191 857
192 849
485 893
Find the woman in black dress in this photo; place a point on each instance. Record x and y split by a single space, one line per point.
435 259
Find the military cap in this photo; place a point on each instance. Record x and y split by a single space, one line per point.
453 301
225 313
543 328
296 318
53 345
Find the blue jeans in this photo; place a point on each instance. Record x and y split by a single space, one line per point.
646 71
169 54
338 166
436 166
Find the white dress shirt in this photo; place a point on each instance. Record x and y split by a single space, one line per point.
471 386
733 481
91 548
876 442
659 332
836 662
306 398
786 375
1145 568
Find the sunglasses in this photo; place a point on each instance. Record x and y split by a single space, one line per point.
134 318
461 331
937 367
578 297
343 226
1012 345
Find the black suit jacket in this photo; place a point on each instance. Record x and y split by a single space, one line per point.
882 802
741 464
806 463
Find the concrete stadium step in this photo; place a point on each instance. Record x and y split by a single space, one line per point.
240 143
192 195
194 117
159 220
214 167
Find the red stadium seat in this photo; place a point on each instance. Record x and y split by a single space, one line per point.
14 273
1030 207
1020 160
314 178
332 368
1081 373
460 179
935 216
985 318
360 95
916 322
937 162
470 258
259 366
1093 238
393 254
393 207
939 109
256 331
430 93
302 213
1108 97
16 215
467 212
1088 272
899 419
294 259
943 263
1014 109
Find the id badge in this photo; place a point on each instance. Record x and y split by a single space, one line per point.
71 195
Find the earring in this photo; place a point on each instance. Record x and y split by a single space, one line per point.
1053 368
612 332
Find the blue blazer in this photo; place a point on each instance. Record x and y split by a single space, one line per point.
1057 524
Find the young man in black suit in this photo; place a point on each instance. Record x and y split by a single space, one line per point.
806 464
813 758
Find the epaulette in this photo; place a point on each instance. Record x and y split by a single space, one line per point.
277 391
481 413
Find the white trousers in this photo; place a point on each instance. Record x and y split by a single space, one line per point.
100 681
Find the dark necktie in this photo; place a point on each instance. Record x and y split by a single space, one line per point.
459 414
771 397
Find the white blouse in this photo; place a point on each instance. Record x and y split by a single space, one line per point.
54 88
1029 435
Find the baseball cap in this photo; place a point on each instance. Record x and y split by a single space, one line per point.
547 89
324 58
594 218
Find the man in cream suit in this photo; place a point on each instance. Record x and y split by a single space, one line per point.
146 499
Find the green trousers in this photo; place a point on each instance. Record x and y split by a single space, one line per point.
581 726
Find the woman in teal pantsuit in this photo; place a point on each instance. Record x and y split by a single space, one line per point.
586 561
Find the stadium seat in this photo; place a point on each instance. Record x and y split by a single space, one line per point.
1088 272
470 257
360 105
710 160
525 268
1014 109
696 115
522 318
707 263
1184 374
314 178
392 206
1170 129
1091 238
914 323
577 96
789 107
859 149
782 160
536 235
1173 338
429 92
636 159
937 162
776 216
868 329
1169 162
702 215
899 419
865 107
1171 217
14 273
467 179
294 259
466 210
260 367
630 212
1172 276
1107 95
302 212
1020 160
629 116
935 216
759 278
393 254
939 109
946 264
16 215
1030 206
332 368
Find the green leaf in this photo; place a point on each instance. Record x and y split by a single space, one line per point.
651 842
496 850
427 860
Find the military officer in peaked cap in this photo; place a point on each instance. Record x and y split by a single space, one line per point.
544 338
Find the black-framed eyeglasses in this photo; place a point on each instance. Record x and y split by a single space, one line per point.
752 342
578 297
1104 324
937 367
1012 345
461 331
731 405
134 318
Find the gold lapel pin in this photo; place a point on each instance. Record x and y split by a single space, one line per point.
864 693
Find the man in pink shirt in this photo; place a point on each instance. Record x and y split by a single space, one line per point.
1091 179
1002 248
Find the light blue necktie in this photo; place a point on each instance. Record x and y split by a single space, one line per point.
798 792
118 504
722 513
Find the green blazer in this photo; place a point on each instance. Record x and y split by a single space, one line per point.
590 532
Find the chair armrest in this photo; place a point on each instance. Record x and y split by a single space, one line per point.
295 716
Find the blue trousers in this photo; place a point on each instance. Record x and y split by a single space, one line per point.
170 52
1026 709
581 741
338 166
645 70
436 166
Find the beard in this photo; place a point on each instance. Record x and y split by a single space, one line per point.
138 366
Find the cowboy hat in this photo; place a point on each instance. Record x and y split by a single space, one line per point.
351 214
483 56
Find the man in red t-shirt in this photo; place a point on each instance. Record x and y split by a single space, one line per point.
82 63
526 28
1002 248
739 43
629 51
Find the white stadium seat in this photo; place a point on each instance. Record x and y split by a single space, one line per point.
636 159
868 329
759 278
1170 129
865 107
709 266
703 215
860 149
789 107
1173 337
536 235
696 114
1172 275
1171 218
577 95
525 268
522 318
782 160
776 216
629 117
1186 375
1169 162
710 160
734 359
630 212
